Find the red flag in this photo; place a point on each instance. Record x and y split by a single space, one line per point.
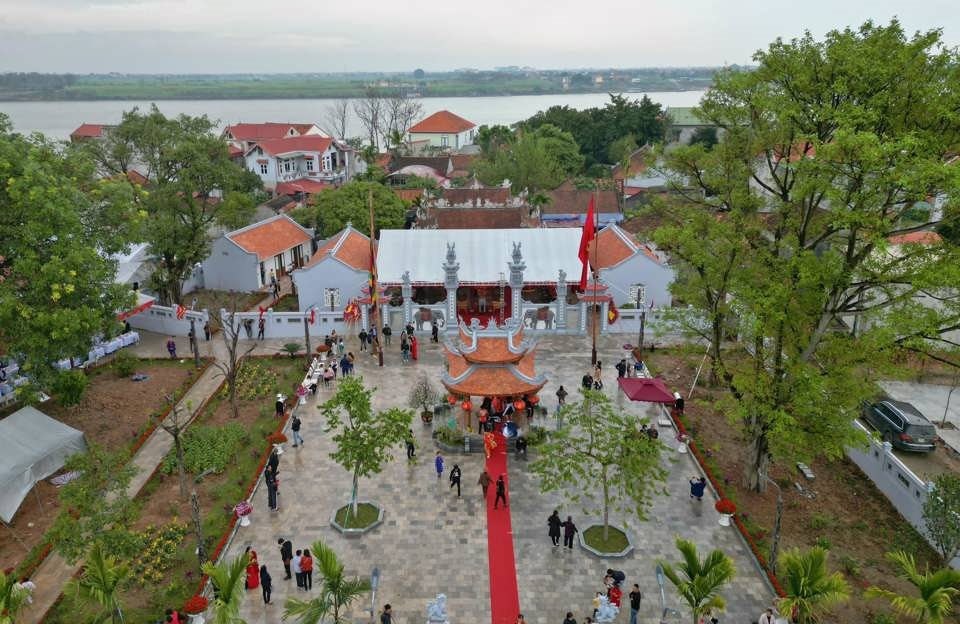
585 238
313 315
181 312
612 314
262 310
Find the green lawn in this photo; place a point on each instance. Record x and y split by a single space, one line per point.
616 539
367 514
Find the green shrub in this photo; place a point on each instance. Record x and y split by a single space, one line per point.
69 386
156 552
255 380
124 364
850 565
449 435
882 618
207 449
821 521
823 543
536 436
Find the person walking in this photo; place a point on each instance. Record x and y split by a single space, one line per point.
266 583
341 348
363 339
274 461
404 350
438 464
554 523
569 619
253 569
767 617
295 430
387 334
270 477
501 493
561 396
297 571
172 348
279 406
569 530
286 555
434 332
411 448
306 568
192 340
206 330
386 616
455 478
635 597
261 328
484 482
697 486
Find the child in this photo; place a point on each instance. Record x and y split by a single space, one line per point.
438 464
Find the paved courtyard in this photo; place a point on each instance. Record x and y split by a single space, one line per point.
431 542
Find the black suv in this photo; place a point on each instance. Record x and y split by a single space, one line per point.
902 425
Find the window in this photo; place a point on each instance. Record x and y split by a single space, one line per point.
286 165
444 141
309 162
638 294
331 297
263 168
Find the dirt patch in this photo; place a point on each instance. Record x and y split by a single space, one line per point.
213 300
113 413
841 509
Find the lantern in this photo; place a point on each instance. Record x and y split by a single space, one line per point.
466 405
452 400
534 400
519 405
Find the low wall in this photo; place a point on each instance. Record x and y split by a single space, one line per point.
288 324
905 490
163 320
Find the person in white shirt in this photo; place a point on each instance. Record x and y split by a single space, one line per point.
767 617
295 566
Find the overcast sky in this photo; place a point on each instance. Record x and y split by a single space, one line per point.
225 36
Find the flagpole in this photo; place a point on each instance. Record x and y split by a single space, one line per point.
374 288
593 270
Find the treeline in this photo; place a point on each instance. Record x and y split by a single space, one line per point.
31 81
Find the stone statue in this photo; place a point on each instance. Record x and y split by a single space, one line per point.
517 256
451 253
563 277
406 278
606 612
437 610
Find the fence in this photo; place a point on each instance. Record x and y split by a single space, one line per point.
163 320
905 490
286 324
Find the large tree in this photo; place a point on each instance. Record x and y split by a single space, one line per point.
193 187
941 515
332 210
531 160
599 452
810 588
699 581
827 146
936 591
58 225
338 591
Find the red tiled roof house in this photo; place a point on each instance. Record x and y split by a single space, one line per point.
287 160
244 260
443 130
336 273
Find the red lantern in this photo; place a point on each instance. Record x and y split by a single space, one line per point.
519 405
452 400
534 400
467 406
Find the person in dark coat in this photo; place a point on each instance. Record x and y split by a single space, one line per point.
266 584
270 477
455 478
363 339
501 493
274 461
484 482
434 333
280 406
286 555
697 486
622 368
569 530
554 523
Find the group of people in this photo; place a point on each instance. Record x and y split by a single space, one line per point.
456 476
558 526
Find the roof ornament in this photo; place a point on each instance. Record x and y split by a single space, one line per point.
451 253
517 256
406 278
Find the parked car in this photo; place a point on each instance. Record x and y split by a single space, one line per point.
902 425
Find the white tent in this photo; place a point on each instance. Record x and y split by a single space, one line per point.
33 446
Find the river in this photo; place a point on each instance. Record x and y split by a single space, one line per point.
58 119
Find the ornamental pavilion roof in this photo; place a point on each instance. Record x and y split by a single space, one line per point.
495 361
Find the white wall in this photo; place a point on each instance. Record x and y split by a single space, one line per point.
290 325
231 268
435 139
163 320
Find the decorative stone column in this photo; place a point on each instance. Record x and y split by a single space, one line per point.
561 323
604 325
516 266
451 280
365 316
406 290
583 317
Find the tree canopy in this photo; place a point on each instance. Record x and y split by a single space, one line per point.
58 225
827 145
596 129
533 160
332 210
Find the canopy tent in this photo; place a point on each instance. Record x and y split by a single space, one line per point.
644 389
33 446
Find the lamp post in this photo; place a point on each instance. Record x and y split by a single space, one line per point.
775 545
194 343
643 320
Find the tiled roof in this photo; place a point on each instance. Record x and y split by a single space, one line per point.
383 161
915 238
440 164
462 162
88 131
310 143
348 246
493 381
684 116
409 195
302 185
576 202
136 177
476 218
270 237
637 165
442 122
264 131
476 197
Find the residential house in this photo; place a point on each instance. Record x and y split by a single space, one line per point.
316 158
443 130
336 273
568 207
243 136
682 123
245 259
87 131
631 269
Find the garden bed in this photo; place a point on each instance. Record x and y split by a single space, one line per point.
617 543
213 300
218 493
114 413
369 516
286 303
849 516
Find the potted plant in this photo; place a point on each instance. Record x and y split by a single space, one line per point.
194 608
243 509
277 440
726 508
422 396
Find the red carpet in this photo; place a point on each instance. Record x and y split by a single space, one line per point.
504 600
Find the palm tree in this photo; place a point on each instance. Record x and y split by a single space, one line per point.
13 598
228 579
810 588
337 591
937 590
101 583
698 582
